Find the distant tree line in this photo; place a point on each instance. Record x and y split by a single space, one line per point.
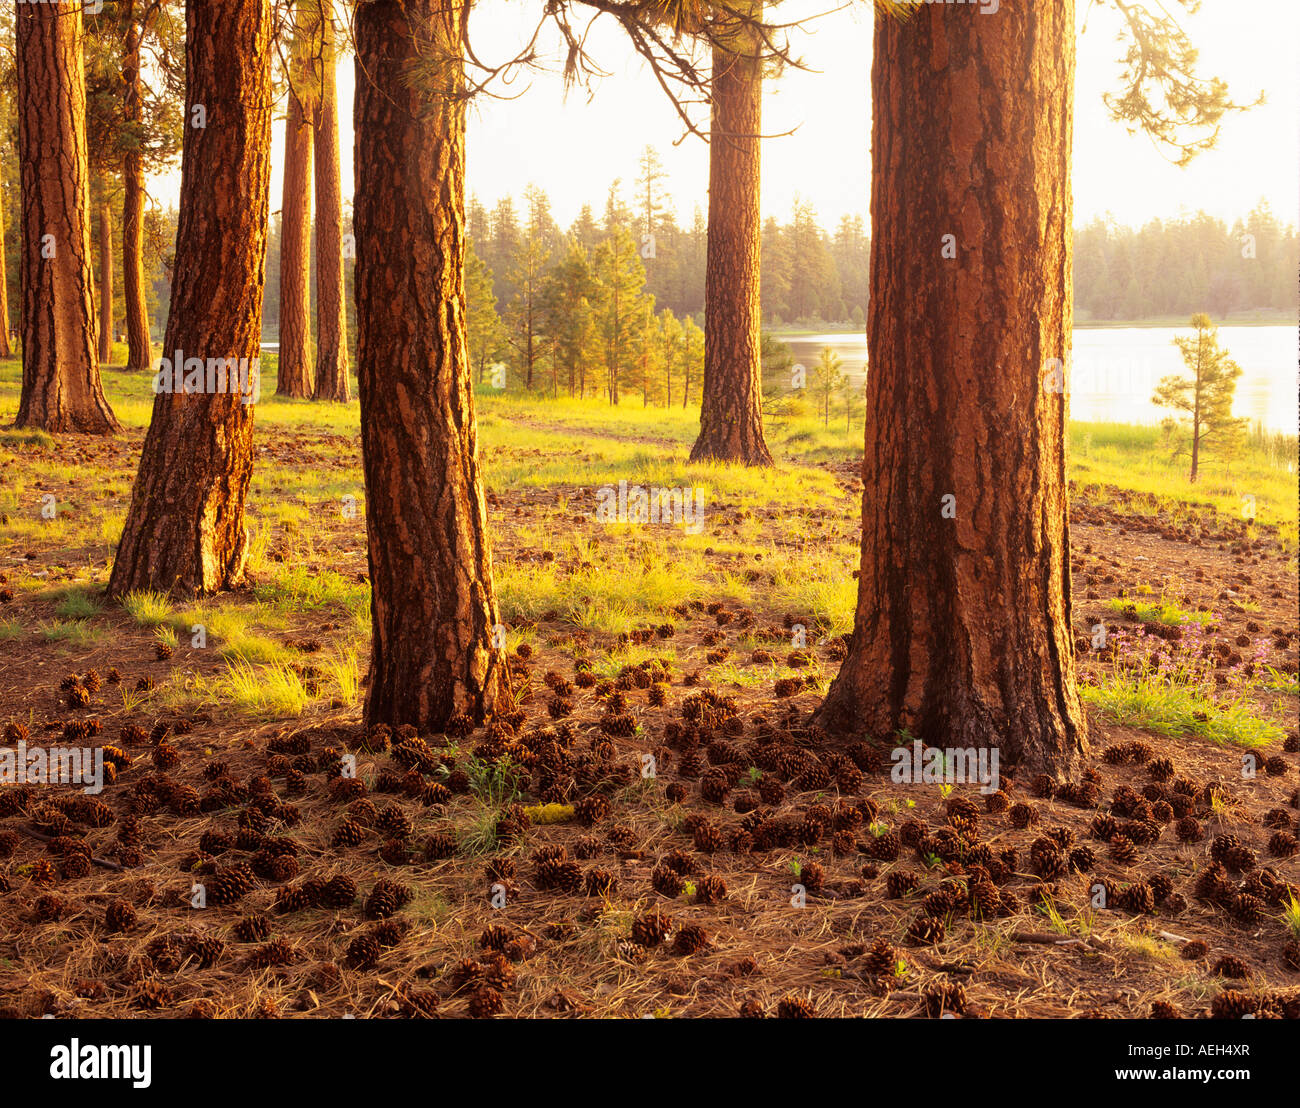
1184 266
1166 268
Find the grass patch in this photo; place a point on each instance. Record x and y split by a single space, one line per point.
273 691
1162 612
1167 708
256 649
73 633
1291 916
1281 682
148 608
345 676
78 603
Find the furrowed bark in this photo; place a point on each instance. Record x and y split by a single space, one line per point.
295 368
731 412
61 385
105 281
962 634
433 608
185 531
138 354
331 313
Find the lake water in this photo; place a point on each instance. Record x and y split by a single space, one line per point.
1117 369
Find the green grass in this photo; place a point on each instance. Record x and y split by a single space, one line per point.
272 691
148 608
1162 612
75 633
1170 708
298 588
1291 916
1281 682
613 598
78 602
1138 461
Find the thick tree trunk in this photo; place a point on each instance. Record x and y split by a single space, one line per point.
433 608
731 413
295 373
105 277
61 384
331 313
185 530
962 634
137 313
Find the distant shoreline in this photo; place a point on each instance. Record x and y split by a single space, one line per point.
1279 320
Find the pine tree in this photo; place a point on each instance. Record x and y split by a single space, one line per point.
670 356
828 381
295 366
1206 396
486 333
962 632
692 361
435 648
567 297
731 412
185 529
331 381
61 388
523 317
620 306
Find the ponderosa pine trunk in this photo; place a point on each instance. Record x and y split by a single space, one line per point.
962 634
61 383
6 351
138 354
731 411
331 313
105 277
185 530
295 372
433 610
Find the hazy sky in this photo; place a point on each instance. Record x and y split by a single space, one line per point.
575 147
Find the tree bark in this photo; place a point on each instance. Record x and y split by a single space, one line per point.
962 634
731 412
433 608
61 384
295 372
331 313
185 530
105 277
6 351
138 354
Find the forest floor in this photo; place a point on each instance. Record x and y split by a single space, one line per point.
783 877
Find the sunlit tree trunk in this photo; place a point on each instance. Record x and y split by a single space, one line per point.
133 192
331 314
433 610
6 350
962 634
731 412
185 530
105 277
295 368
61 384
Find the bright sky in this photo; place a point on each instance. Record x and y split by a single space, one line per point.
575 147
